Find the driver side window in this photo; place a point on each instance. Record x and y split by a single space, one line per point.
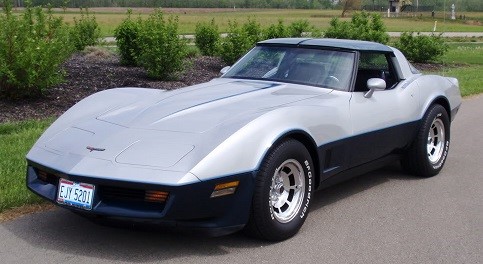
373 65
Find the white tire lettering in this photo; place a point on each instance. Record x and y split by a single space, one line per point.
443 157
309 187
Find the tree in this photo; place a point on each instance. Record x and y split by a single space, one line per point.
350 5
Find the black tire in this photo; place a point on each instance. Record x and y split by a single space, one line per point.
429 150
281 202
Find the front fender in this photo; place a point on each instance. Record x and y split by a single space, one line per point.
245 149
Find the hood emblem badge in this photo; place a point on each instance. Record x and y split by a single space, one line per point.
94 149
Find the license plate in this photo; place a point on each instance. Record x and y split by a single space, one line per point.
76 194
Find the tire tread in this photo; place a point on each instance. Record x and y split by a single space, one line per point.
415 161
259 226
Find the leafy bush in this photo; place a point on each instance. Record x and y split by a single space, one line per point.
32 47
240 39
421 48
192 52
235 44
153 43
127 36
278 30
207 38
86 31
297 28
338 29
253 30
363 26
161 49
316 33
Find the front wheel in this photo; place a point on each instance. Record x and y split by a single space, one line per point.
283 192
428 153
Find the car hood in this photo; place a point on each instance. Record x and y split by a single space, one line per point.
199 108
124 132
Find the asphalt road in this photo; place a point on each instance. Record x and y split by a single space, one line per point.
380 217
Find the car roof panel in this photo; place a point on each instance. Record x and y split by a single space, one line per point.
348 44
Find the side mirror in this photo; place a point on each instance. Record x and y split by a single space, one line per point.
374 84
225 70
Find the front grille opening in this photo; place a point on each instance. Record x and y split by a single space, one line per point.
113 193
47 177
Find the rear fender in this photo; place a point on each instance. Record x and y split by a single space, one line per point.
435 88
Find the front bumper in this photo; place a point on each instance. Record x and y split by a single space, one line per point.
187 207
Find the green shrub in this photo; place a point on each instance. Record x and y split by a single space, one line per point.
297 28
363 26
235 44
253 30
338 29
127 35
240 39
278 30
162 51
207 38
32 47
192 52
85 31
420 48
316 33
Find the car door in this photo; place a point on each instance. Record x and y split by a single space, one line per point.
382 123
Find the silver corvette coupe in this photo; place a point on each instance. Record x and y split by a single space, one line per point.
247 150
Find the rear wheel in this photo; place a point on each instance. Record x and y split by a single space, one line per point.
428 153
283 191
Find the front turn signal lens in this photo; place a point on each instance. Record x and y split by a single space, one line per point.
156 196
223 189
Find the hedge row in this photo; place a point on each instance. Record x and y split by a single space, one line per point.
242 37
34 44
362 26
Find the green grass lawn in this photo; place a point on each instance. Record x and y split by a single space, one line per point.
465 62
15 140
470 78
464 53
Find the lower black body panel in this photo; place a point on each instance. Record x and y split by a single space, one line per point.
187 207
362 153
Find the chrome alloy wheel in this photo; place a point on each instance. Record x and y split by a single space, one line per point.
436 141
287 190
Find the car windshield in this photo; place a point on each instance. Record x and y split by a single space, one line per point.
317 67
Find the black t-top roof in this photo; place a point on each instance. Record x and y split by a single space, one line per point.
348 44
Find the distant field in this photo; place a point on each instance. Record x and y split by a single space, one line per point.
109 18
